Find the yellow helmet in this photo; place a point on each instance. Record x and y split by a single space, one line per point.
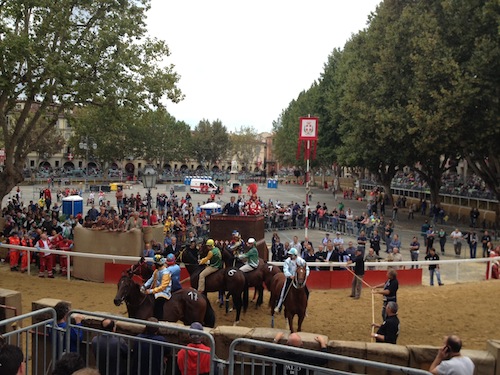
210 242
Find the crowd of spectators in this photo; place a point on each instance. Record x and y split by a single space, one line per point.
452 184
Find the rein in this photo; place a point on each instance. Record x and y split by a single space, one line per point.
128 303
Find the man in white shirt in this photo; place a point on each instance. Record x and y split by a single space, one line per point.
338 241
449 361
296 244
457 237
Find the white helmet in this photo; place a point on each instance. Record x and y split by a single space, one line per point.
293 251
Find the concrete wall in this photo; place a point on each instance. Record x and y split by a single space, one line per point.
417 356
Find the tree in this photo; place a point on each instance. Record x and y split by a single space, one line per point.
246 146
58 54
373 97
161 138
211 142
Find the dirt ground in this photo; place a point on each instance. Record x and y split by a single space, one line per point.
426 313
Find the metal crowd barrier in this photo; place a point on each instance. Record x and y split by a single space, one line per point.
43 343
259 357
34 339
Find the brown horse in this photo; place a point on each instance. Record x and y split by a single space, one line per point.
295 302
254 278
269 272
229 279
186 304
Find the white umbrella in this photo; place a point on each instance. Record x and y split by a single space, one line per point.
210 206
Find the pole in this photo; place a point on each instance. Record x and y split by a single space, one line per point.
149 206
306 225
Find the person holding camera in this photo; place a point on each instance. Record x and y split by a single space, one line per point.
449 360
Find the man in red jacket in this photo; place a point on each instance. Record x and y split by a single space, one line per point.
194 362
14 253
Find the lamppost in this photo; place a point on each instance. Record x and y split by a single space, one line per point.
149 182
85 145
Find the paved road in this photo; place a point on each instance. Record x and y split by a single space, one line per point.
287 193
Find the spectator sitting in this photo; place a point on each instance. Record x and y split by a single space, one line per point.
294 368
194 362
449 360
12 360
68 364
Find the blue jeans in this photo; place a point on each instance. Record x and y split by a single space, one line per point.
473 248
436 272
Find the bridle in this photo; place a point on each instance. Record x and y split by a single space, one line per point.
129 303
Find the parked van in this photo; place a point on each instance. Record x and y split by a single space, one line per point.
199 185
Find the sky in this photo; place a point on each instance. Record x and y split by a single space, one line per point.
243 62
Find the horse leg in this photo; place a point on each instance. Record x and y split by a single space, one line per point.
221 298
237 305
289 320
227 302
301 319
260 298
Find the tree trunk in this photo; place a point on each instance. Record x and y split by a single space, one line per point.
434 187
8 180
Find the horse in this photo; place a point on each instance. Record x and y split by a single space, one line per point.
295 302
186 304
269 272
254 278
143 269
228 279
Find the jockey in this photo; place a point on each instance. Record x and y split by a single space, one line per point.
252 257
175 272
237 245
214 260
290 270
159 284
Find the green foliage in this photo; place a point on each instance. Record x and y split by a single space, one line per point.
211 142
245 146
55 55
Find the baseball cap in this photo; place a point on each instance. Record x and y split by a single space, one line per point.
196 338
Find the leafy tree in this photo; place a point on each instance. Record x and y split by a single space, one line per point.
58 54
373 97
246 146
287 127
162 139
210 142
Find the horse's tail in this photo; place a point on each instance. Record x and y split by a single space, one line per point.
209 318
245 297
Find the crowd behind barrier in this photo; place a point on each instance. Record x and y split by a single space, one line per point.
331 266
453 184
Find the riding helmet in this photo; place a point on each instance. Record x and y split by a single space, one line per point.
158 259
293 251
170 259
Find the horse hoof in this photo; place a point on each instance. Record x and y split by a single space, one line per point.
236 323
231 309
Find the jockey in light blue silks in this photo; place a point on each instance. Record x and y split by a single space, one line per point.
290 270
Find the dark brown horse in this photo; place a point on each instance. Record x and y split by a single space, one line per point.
254 278
186 304
295 302
229 279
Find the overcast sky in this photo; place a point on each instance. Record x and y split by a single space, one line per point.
244 62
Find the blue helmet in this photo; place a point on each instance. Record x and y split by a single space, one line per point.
170 259
293 251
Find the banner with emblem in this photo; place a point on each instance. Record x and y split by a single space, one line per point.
308 134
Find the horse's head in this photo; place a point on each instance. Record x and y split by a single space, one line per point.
301 276
125 286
